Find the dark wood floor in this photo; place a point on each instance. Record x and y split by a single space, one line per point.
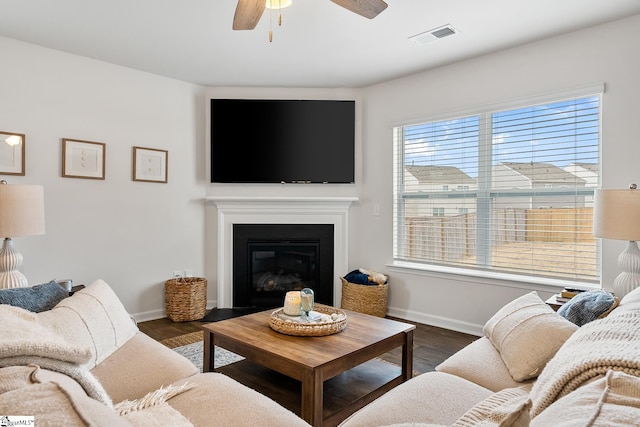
431 345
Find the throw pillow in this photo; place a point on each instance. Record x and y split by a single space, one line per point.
506 408
93 316
588 306
612 400
35 298
527 333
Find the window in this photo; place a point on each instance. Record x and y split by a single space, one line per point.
528 176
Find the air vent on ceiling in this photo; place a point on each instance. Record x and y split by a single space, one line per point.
434 34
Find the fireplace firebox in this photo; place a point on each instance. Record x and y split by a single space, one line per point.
271 259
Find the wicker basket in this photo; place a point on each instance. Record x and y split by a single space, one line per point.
185 298
309 329
365 299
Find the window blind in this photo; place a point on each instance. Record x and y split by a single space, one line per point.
505 191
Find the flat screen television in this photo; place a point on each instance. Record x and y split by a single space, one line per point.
282 141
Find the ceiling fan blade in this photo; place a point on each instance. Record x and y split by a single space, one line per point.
367 8
248 13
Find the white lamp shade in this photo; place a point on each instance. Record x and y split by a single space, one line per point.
617 214
21 210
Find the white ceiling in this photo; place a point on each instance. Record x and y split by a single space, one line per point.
319 43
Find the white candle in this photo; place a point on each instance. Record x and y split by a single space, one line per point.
292 303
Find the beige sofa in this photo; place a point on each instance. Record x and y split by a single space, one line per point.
531 367
84 362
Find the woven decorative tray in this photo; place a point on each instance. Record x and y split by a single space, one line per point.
279 323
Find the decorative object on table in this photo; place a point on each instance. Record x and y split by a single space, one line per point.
150 165
21 214
185 298
306 301
329 321
616 214
292 305
365 291
12 153
83 159
588 306
567 293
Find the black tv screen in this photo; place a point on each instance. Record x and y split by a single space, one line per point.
282 141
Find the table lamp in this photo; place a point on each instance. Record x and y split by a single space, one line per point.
21 214
617 216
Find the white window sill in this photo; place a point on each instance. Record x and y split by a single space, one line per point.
492 278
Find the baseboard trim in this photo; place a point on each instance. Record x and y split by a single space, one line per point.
146 316
438 321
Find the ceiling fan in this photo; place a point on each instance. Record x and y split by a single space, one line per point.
248 12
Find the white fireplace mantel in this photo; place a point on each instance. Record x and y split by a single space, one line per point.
279 210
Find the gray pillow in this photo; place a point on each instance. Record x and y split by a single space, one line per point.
588 306
35 298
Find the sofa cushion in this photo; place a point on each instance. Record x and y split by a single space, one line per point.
141 365
506 408
432 398
527 333
35 298
93 316
480 362
160 415
219 400
52 398
610 401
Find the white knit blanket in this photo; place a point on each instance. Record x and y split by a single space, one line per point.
25 341
612 343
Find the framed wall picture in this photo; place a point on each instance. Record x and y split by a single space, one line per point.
12 153
83 159
150 164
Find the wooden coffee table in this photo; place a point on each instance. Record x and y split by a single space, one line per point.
314 360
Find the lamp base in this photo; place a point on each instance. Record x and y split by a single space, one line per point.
10 261
629 263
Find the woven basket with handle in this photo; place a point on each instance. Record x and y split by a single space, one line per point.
185 298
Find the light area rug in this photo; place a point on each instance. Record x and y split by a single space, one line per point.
191 347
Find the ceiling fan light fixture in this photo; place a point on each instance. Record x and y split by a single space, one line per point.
278 4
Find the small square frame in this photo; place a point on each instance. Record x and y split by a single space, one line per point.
83 159
12 156
150 165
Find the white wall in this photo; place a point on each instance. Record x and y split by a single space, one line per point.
131 234
606 53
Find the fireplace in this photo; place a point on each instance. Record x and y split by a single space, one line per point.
233 210
271 259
